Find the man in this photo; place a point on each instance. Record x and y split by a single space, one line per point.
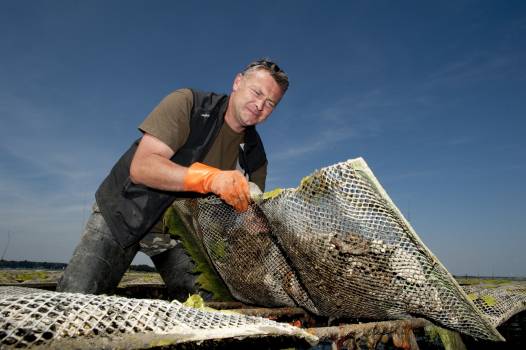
193 143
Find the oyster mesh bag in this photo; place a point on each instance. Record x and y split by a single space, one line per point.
498 302
337 246
36 318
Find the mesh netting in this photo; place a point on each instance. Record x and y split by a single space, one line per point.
32 317
337 246
500 302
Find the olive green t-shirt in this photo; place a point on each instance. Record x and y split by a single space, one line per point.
170 123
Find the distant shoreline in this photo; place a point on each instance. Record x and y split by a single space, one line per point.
45 265
26 264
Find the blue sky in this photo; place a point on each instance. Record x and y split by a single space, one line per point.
432 94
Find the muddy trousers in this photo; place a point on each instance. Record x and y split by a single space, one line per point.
99 262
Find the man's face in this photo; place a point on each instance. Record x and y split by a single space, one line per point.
254 96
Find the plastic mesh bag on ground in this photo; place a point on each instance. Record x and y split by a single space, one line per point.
498 302
32 317
337 246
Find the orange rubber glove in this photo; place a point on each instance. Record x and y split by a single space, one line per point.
230 185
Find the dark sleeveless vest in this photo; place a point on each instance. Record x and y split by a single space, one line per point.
131 210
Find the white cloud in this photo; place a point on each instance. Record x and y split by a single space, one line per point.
479 66
366 115
320 142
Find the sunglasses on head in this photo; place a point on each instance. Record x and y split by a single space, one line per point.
268 64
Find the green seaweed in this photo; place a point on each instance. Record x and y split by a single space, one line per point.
489 300
31 276
207 278
486 281
272 194
197 302
218 249
450 340
313 187
305 181
486 299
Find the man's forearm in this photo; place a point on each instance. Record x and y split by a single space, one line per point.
158 172
151 166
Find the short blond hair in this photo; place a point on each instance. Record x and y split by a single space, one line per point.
275 71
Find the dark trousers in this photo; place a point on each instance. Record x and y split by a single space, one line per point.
99 262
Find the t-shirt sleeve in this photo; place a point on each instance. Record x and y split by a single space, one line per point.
259 176
170 120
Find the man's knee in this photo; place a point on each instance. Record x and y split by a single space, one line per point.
177 271
98 263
